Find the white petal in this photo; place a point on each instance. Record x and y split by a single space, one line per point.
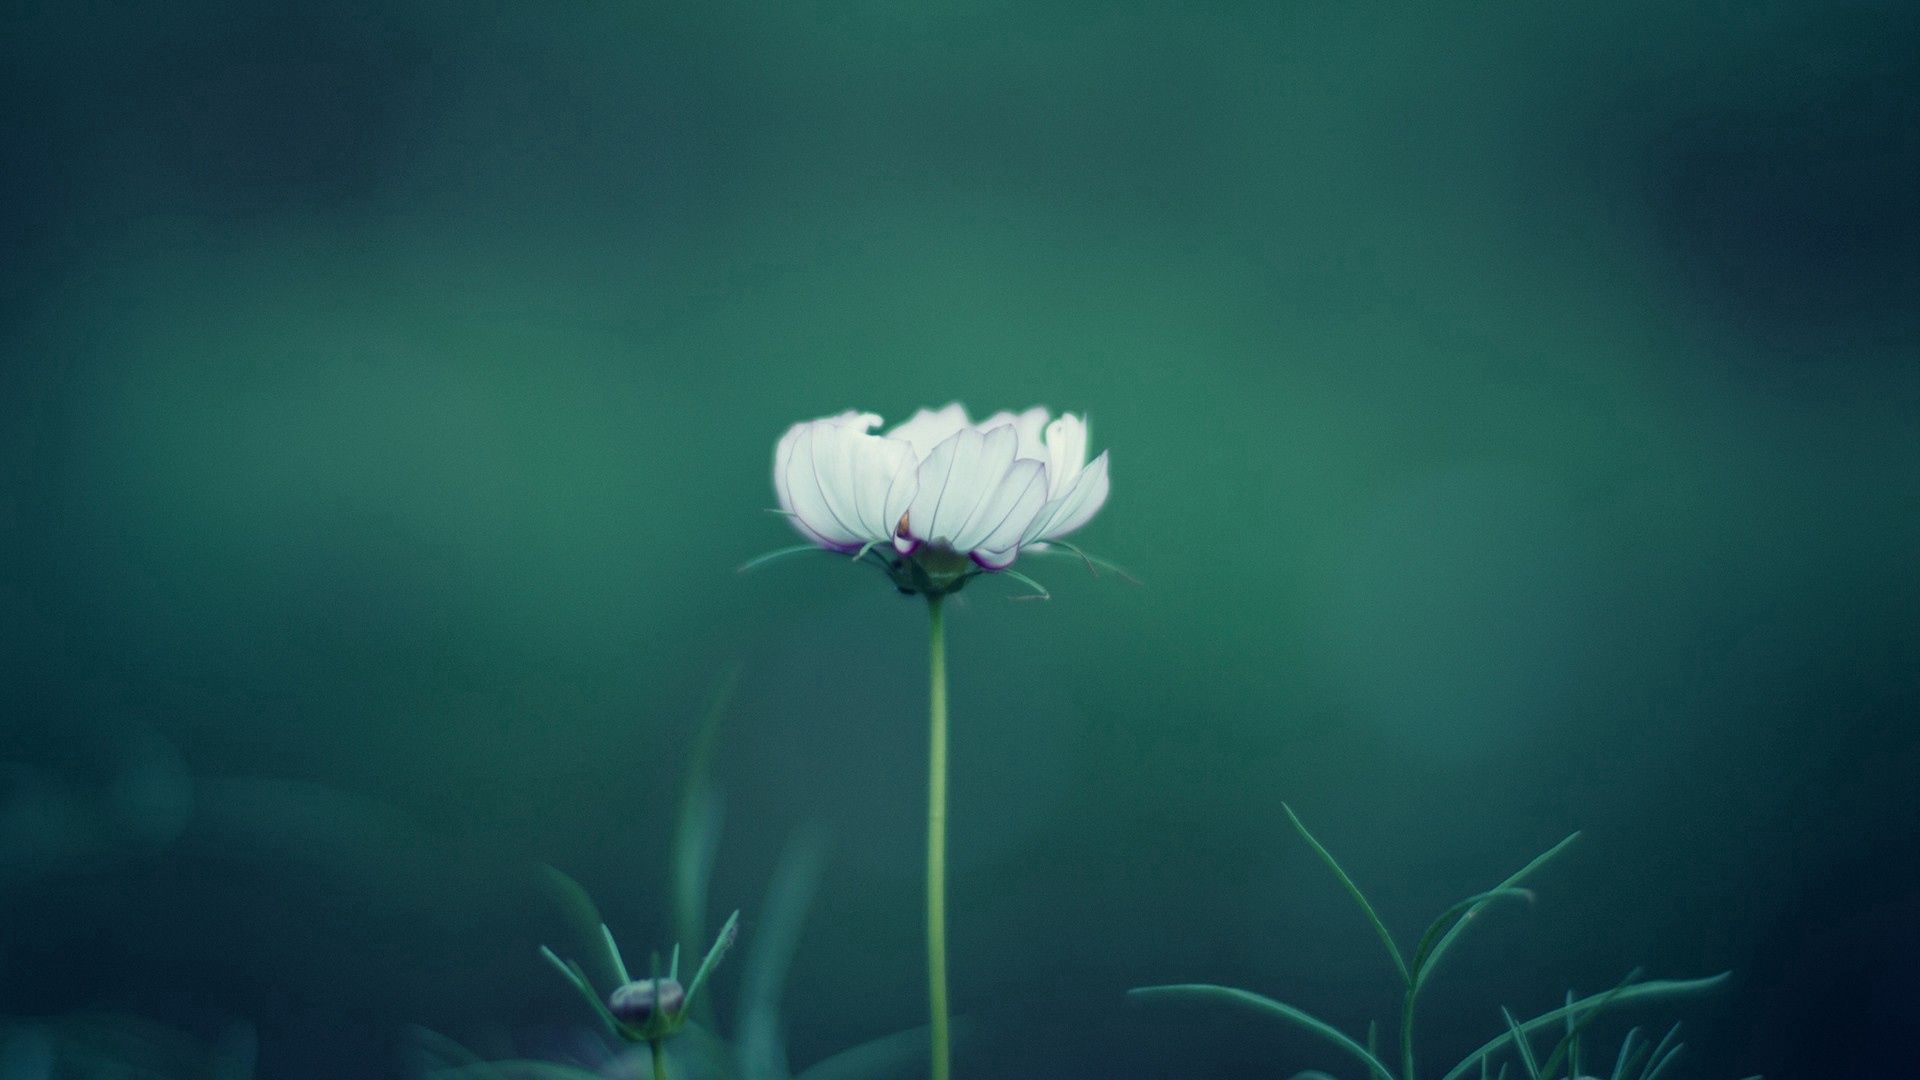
1066 451
806 494
996 559
782 454
1073 507
956 477
927 429
1030 425
1004 515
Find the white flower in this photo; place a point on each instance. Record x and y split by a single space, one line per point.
939 485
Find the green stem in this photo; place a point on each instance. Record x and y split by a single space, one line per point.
1406 1036
937 842
659 1058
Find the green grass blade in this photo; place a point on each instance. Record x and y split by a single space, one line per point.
1570 1042
1621 1061
1423 955
613 955
1521 1044
1209 992
1658 988
1039 591
1659 1049
897 1055
758 1033
721 943
1380 928
1095 563
759 561
1452 935
1661 1065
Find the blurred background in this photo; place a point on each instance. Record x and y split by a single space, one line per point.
1515 420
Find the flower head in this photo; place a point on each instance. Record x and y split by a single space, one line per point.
650 1009
945 494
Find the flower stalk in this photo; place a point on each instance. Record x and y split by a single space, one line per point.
937 839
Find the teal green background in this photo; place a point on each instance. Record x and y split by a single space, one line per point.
1513 419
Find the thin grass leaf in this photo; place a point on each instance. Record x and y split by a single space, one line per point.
1209 992
1373 1038
1661 1065
1657 988
1586 1015
1660 1049
577 909
1039 591
1446 940
1380 928
696 834
721 943
1521 1044
758 1046
1621 1059
673 965
776 555
1423 954
901 1054
1095 563
578 978
613 955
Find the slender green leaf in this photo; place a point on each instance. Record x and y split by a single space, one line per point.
1660 1066
1423 955
1521 1044
613 955
1446 940
1621 1060
1659 1050
774 556
901 1054
1380 928
1584 1014
579 913
757 1034
1094 563
696 836
1657 988
724 941
1039 591
1209 992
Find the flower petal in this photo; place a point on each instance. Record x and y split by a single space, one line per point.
1030 425
1004 515
927 428
838 483
1073 507
954 480
806 497
1066 451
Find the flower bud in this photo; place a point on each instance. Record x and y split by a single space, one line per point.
638 1002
